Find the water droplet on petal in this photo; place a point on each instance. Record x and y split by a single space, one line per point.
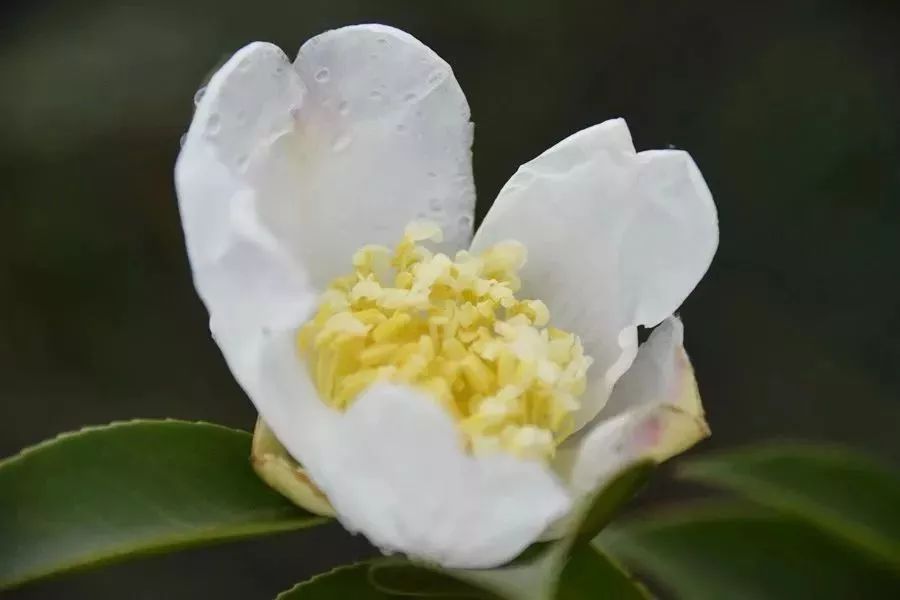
198 95
401 128
376 95
465 222
344 107
382 41
432 174
182 139
213 124
436 205
435 76
322 75
409 96
341 143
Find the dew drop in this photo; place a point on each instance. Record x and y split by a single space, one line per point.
198 95
435 76
376 95
401 128
435 205
344 107
213 124
322 75
409 96
432 174
182 139
382 41
465 222
341 143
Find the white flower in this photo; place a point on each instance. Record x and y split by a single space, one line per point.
455 448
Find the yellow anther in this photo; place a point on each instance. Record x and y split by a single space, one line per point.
420 231
404 279
477 374
371 316
454 329
391 327
367 289
453 349
372 259
377 354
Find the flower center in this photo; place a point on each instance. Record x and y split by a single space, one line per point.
454 328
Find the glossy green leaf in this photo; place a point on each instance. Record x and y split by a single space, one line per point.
842 492
523 579
747 554
590 574
398 577
586 574
344 583
108 493
568 568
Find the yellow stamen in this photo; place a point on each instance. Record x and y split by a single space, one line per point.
455 329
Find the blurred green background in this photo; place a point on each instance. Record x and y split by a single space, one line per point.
790 109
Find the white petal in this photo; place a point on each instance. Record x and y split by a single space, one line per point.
256 292
250 284
657 432
397 472
382 138
393 468
654 412
661 374
244 195
615 239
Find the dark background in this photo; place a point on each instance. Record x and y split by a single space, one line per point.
789 108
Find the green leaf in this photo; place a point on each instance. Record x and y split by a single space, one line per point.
844 493
590 574
344 583
568 568
398 577
747 554
587 574
108 493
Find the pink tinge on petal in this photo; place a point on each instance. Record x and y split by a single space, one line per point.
648 433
